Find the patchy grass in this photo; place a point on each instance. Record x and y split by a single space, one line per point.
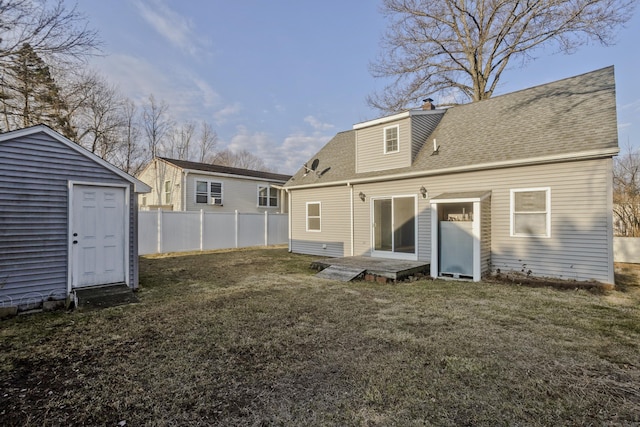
250 337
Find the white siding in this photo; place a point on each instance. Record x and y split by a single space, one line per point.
370 154
237 194
334 239
155 175
579 246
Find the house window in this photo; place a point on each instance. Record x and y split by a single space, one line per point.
391 144
167 192
313 216
531 212
209 192
267 197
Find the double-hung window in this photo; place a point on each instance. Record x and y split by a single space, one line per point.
531 212
391 144
314 213
209 192
167 192
267 197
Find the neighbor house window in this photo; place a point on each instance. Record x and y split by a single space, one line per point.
267 197
391 139
313 216
531 212
167 192
209 192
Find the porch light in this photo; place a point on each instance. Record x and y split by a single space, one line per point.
362 196
423 191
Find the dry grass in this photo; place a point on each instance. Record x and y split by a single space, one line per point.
250 337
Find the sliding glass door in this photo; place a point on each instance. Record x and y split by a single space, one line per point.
394 227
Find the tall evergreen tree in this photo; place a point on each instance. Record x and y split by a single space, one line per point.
31 96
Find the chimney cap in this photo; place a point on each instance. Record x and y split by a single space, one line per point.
428 104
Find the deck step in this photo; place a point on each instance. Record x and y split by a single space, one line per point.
105 296
341 273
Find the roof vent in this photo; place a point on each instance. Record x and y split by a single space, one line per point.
428 104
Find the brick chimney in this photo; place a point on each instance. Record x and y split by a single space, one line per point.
428 104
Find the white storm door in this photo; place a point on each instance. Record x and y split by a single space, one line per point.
98 236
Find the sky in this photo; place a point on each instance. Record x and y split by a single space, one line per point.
280 78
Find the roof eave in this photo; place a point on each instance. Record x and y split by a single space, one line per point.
585 155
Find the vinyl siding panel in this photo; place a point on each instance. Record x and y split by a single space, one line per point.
335 231
237 194
421 128
34 196
370 154
155 175
579 246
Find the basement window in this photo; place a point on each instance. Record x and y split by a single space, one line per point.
531 212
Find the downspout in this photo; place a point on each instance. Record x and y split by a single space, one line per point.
184 191
351 213
289 196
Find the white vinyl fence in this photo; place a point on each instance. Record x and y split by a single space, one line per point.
626 249
167 231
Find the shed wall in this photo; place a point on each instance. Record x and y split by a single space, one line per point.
34 196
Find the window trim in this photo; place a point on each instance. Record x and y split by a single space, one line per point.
269 188
319 217
209 182
384 130
168 199
512 213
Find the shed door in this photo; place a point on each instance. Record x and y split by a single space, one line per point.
98 236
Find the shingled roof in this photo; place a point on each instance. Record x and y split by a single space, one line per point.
205 167
558 121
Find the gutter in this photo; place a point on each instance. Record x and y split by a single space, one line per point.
585 155
230 175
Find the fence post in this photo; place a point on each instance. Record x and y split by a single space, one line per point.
159 235
266 228
201 230
237 229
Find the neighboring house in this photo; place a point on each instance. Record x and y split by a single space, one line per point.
182 185
68 219
520 182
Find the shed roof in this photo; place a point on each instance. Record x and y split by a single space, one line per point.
139 186
568 119
227 170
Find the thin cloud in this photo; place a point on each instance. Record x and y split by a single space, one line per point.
317 124
174 27
222 116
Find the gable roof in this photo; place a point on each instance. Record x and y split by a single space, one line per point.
568 119
225 170
139 186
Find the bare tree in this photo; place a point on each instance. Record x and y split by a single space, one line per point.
435 46
51 29
99 118
180 141
207 142
156 125
131 156
626 193
240 159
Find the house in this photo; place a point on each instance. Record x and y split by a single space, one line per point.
68 219
181 185
520 182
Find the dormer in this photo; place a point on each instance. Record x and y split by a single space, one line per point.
392 142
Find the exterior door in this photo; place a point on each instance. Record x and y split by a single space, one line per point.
98 236
394 227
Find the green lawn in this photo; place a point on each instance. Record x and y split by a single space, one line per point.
251 337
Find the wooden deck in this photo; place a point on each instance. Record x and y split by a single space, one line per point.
374 268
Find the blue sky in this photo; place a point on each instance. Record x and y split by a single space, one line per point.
279 78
